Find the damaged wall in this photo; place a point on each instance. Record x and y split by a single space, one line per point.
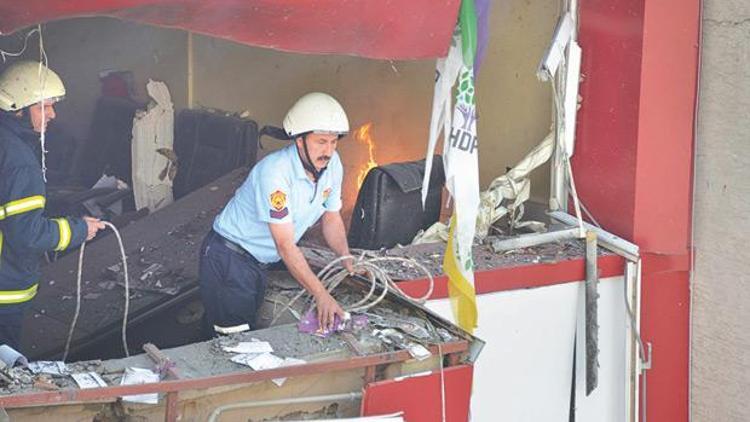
266 83
721 310
78 49
396 96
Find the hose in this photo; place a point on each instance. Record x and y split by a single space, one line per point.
78 293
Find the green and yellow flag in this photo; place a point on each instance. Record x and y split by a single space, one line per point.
460 159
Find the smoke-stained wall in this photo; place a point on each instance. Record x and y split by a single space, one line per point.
396 96
79 49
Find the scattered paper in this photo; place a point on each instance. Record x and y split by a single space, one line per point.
255 347
244 358
418 351
263 361
288 362
49 367
231 330
89 380
135 376
258 361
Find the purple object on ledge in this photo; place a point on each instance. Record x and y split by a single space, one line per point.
309 324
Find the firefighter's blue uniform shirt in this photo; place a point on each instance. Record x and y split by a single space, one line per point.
25 232
278 191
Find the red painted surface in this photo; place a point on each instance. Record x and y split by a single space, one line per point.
669 72
611 33
633 162
399 29
420 397
658 263
521 277
664 322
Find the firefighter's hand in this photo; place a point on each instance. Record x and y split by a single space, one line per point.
93 225
349 266
328 308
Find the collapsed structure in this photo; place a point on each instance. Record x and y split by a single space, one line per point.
632 169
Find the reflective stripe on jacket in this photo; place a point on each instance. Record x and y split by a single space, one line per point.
26 233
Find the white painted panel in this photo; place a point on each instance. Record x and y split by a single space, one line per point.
524 372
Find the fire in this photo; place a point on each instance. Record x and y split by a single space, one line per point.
362 135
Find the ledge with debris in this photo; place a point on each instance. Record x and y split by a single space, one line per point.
162 250
393 338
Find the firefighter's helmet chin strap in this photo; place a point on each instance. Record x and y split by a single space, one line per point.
307 164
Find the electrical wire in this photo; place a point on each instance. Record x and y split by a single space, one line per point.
5 54
78 292
591 217
333 274
43 71
43 66
442 382
559 130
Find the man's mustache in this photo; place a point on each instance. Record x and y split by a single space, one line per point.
324 158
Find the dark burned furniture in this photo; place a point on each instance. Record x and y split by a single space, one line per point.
389 210
209 145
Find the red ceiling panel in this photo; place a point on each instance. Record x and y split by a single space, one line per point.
385 29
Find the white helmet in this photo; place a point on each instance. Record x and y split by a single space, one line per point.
25 83
316 112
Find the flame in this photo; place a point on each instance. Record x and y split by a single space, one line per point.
362 135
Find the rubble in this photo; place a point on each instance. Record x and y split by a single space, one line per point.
163 268
162 250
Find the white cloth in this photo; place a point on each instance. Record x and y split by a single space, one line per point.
153 131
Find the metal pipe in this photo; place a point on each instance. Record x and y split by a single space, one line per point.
631 346
534 239
607 240
297 400
633 270
592 313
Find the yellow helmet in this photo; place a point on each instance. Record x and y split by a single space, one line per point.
25 83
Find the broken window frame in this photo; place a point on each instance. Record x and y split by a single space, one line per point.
562 187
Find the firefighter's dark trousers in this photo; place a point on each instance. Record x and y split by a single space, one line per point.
232 285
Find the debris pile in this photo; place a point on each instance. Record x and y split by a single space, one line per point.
430 255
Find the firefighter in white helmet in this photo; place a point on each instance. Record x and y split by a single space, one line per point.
284 195
28 92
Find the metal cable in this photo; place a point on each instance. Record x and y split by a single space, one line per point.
333 274
78 293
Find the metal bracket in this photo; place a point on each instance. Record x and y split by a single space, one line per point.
646 364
